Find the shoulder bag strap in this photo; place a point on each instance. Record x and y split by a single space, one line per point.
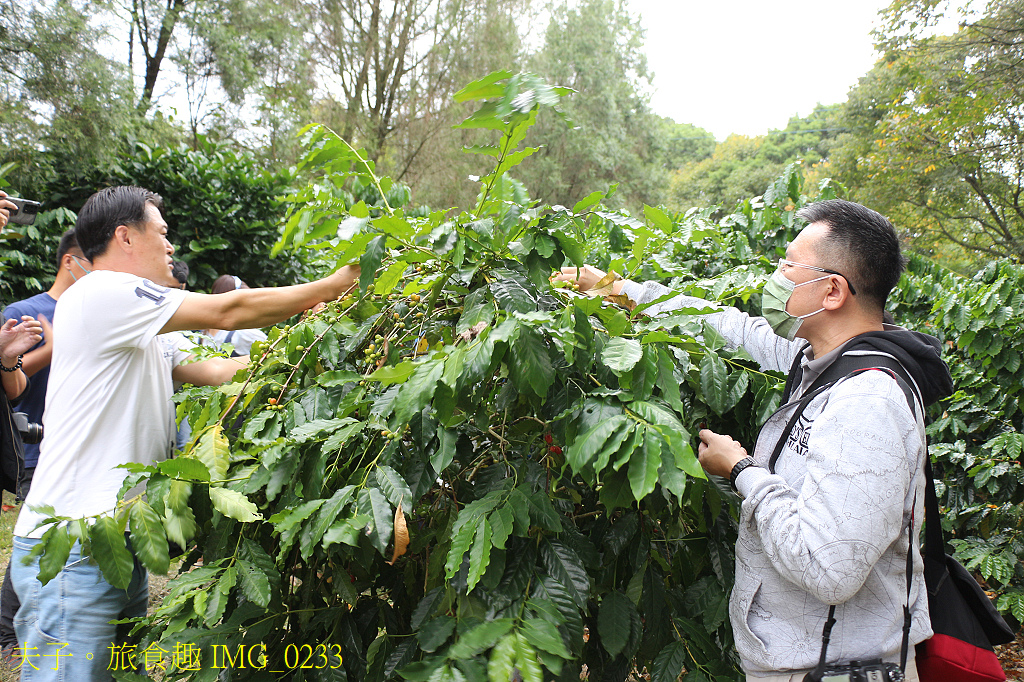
905 647
934 545
795 375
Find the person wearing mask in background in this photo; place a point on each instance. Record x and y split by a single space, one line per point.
241 340
828 503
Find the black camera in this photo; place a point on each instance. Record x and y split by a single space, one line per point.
859 671
31 433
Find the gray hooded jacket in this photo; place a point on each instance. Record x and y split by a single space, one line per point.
831 525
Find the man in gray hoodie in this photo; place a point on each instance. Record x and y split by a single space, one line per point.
825 523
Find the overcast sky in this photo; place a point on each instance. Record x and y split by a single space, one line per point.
747 66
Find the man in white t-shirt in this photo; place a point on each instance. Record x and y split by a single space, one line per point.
107 404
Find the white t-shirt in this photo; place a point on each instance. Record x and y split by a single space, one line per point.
108 397
177 348
240 339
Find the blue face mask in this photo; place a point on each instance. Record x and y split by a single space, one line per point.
78 261
774 297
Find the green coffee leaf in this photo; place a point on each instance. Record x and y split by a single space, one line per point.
254 583
531 369
184 467
584 449
669 663
621 355
643 467
111 552
287 522
503 659
234 504
526 661
149 540
480 638
435 632
56 548
212 450
565 566
714 382
544 635
370 261
180 525
613 621
393 486
479 553
372 503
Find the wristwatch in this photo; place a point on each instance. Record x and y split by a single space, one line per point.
738 467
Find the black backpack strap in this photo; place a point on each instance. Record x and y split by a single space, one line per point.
796 373
799 410
851 361
934 545
905 647
826 381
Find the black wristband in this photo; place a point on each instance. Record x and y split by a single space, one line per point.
738 467
16 367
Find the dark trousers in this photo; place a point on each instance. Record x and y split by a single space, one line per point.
9 602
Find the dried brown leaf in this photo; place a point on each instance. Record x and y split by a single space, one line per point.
401 535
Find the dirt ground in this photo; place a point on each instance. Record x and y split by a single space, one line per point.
1011 655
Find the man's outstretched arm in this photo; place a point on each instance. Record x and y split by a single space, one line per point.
253 308
209 372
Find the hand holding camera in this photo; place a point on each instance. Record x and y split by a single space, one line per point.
17 211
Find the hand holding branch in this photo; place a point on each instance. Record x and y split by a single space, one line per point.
718 453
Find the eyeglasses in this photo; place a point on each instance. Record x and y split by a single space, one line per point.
783 263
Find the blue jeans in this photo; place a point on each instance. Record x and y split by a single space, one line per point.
64 627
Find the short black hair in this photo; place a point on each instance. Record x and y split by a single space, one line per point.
108 208
860 243
179 271
68 241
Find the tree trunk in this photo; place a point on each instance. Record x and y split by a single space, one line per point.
155 59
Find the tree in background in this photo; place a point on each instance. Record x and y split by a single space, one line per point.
422 149
741 166
227 41
596 48
58 92
385 64
236 52
683 143
936 135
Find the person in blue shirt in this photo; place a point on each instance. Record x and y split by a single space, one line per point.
71 266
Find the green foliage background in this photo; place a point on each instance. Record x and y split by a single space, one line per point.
535 444
222 206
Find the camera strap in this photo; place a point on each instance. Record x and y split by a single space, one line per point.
826 632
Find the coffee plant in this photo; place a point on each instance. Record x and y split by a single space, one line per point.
461 472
